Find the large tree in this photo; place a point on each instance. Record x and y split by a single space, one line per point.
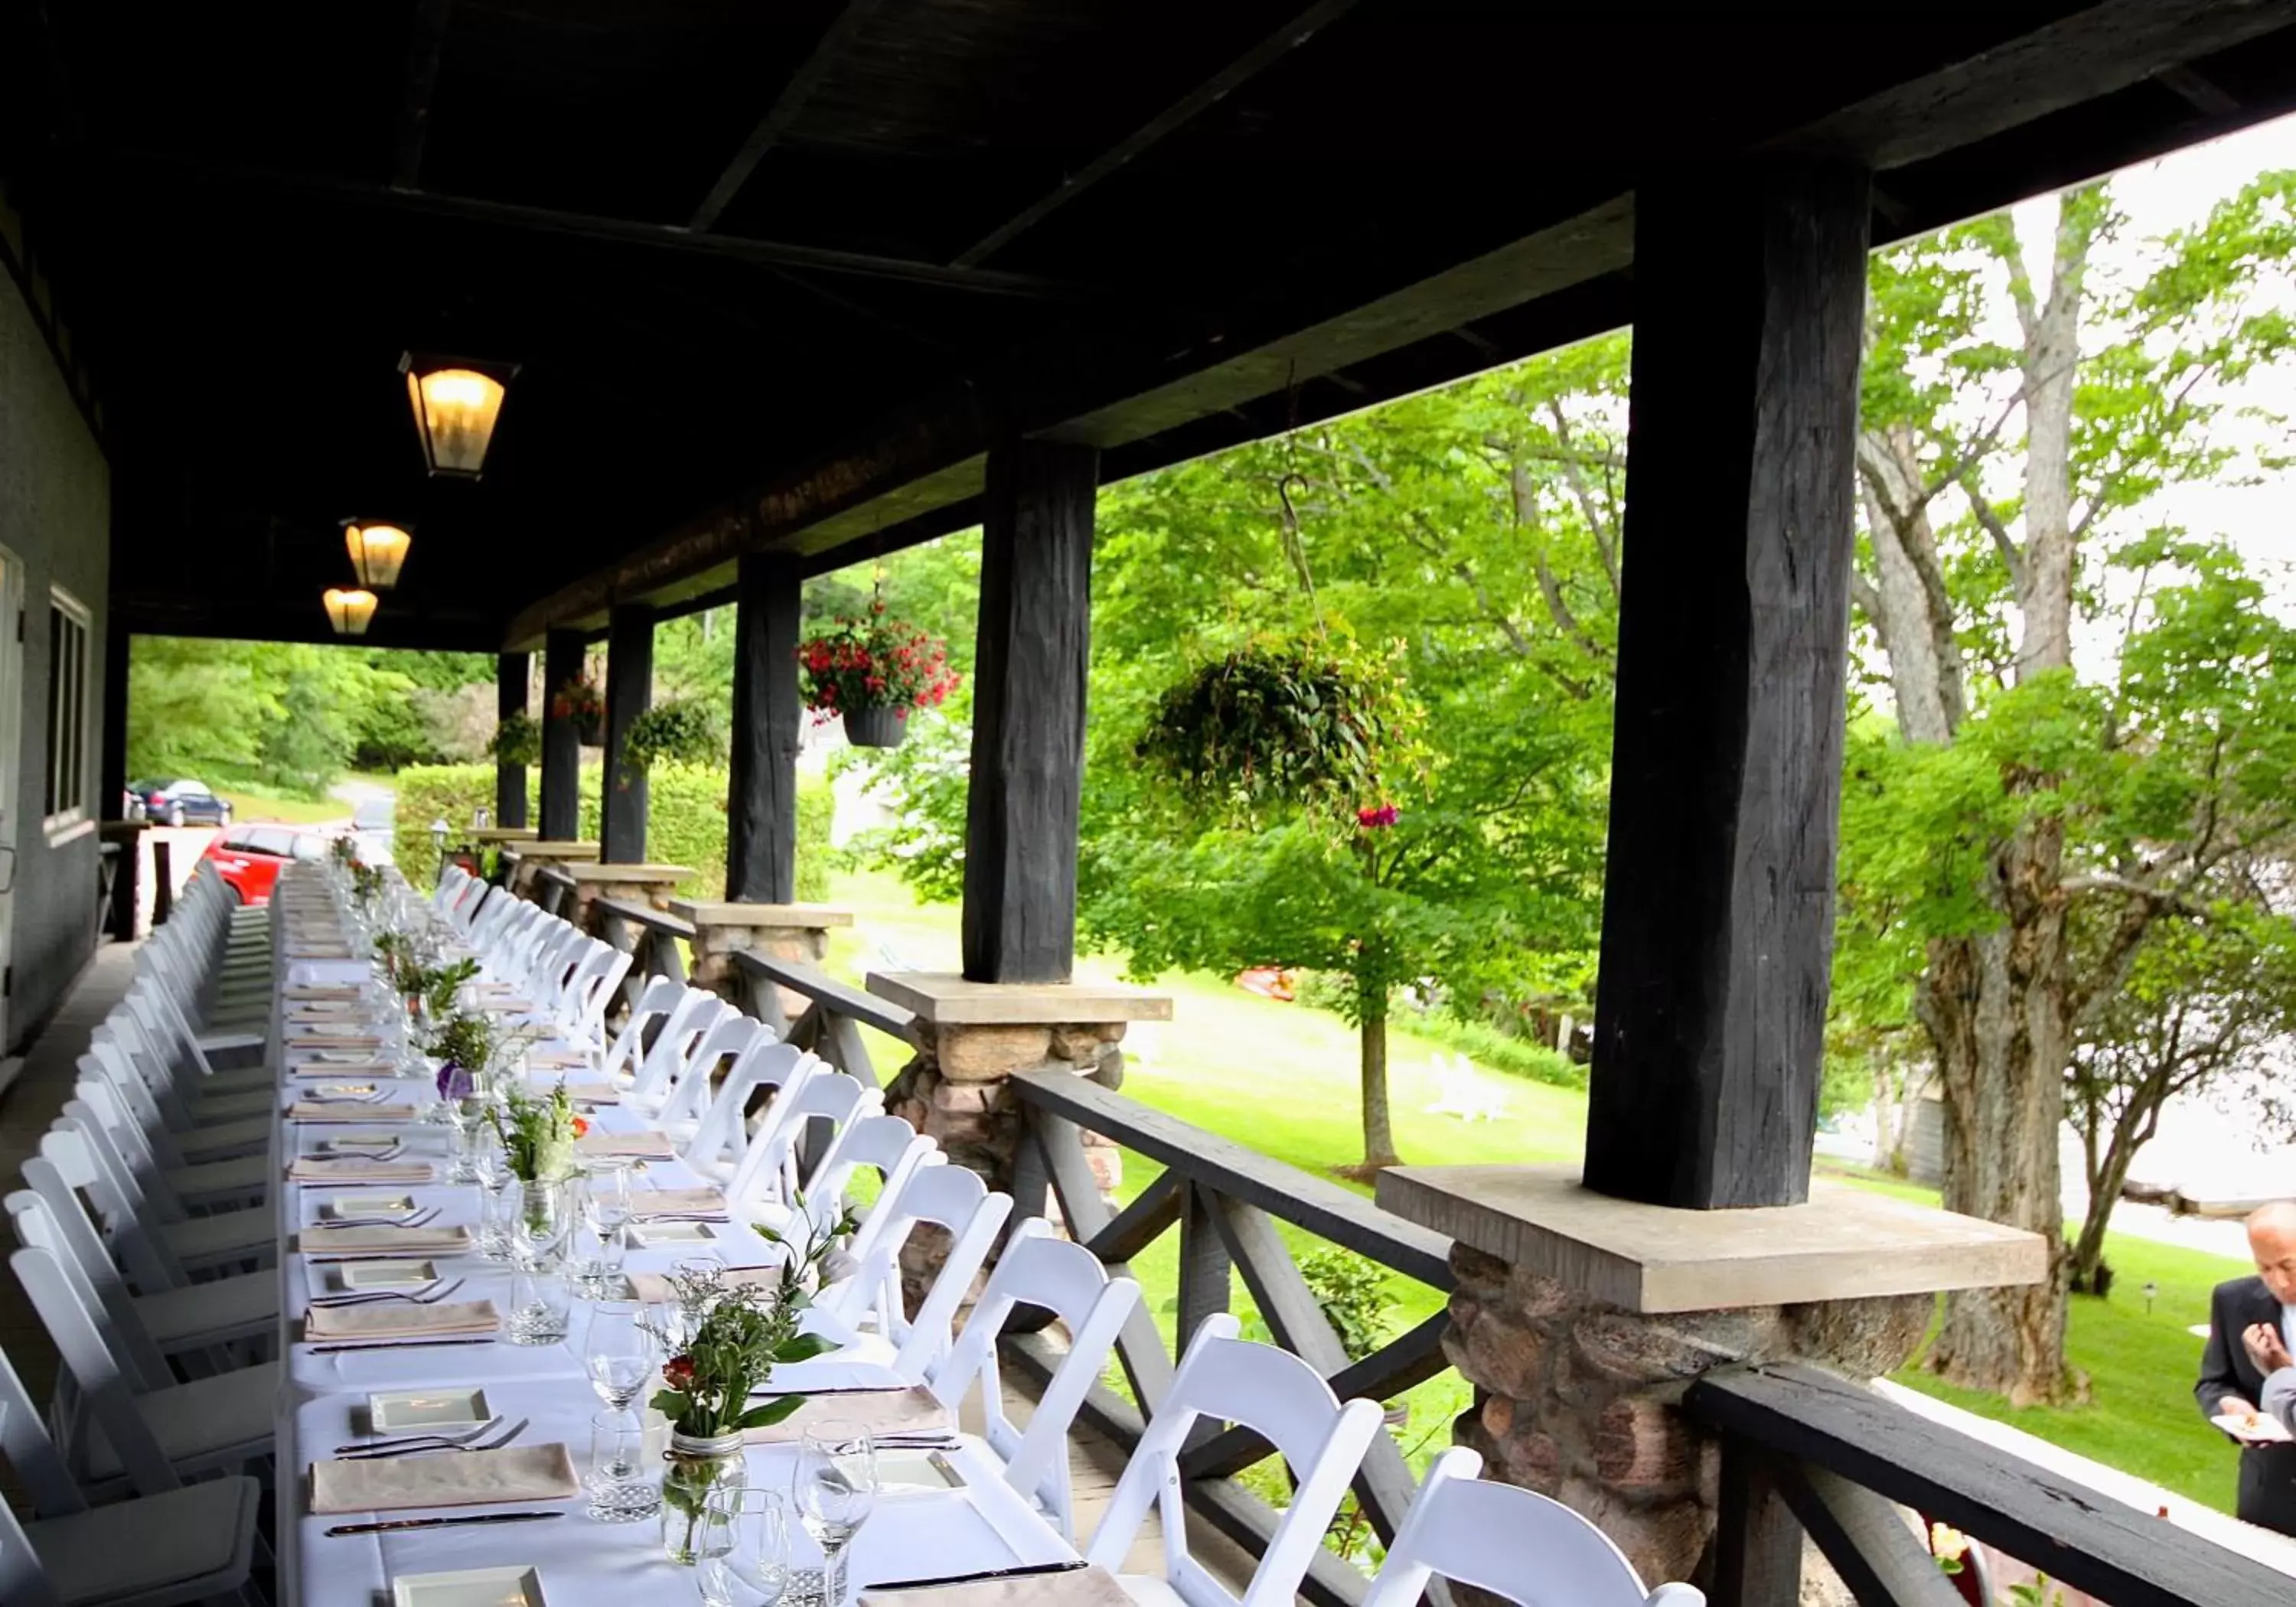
2003 458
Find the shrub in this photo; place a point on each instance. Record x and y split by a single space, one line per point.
1488 1045
679 731
516 740
685 820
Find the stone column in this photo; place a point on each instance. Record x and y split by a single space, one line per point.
647 884
1582 1320
790 932
974 1036
532 855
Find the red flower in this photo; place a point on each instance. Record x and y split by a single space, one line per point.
677 1373
1377 819
581 1127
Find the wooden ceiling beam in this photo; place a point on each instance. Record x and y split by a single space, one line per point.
422 56
1270 50
785 109
670 237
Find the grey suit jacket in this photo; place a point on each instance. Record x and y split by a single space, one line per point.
2280 1398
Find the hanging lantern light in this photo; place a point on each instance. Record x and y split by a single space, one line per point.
456 404
348 611
377 551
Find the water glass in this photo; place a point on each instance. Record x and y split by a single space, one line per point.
834 1489
500 1201
606 1214
619 1352
541 1305
742 1552
625 1481
544 1216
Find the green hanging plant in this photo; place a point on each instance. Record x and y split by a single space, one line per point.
516 740
682 731
1317 723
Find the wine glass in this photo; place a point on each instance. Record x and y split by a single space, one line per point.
605 1213
834 1489
742 1554
619 1352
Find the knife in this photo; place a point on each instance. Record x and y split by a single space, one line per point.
394 1524
967 1579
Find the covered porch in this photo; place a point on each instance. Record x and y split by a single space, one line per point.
770 297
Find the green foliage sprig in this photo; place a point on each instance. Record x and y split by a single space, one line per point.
739 1333
538 1134
1352 1291
1315 723
682 730
470 1040
516 740
436 985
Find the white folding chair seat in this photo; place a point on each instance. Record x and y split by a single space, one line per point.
149 1326
1511 1542
212 1181
1036 1269
1226 1380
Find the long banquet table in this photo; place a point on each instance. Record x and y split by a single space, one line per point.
984 1525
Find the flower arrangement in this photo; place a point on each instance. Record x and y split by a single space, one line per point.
435 986
578 700
858 668
464 1043
344 851
516 740
538 1135
682 730
393 951
366 883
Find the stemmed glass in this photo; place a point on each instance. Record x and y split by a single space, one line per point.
619 1351
743 1551
834 1489
605 1213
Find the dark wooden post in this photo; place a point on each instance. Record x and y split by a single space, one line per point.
630 690
1717 913
111 800
510 699
761 783
1028 713
561 744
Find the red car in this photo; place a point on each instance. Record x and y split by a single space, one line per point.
249 858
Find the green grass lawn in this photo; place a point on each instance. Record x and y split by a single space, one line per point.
1282 1079
247 805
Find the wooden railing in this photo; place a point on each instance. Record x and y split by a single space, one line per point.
829 1025
552 887
649 936
1806 1450
1225 1200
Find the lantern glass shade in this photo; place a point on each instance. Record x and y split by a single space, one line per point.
377 551
455 413
348 611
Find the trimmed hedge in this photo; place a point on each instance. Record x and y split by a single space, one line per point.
685 820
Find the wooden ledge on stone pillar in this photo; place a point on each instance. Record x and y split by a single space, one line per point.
637 883
972 1037
532 855
787 931
1844 1243
487 835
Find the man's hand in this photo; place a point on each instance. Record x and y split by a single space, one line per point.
2265 1348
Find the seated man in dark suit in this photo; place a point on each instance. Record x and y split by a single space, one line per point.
2247 1317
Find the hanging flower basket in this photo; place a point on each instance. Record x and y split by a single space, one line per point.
517 740
882 726
680 731
873 672
580 701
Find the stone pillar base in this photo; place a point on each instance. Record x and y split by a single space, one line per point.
1582 1320
973 1036
789 931
647 884
535 855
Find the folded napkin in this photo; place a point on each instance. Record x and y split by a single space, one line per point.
636 1146
399 1319
308 1168
308 992
677 1203
517 1472
340 1034
653 1289
345 1068
321 1010
593 1094
1093 1587
498 1005
556 1060
347 1110
384 1241
878 1411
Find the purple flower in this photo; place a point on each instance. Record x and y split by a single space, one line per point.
455 1082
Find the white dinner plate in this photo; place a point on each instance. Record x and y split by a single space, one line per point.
913 1473
373 1140
654 1235
469 1588
355 1275
2259 1430
342 1057
397 1411
324 1092
367 1205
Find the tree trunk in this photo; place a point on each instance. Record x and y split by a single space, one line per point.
1378 1134
1995 1009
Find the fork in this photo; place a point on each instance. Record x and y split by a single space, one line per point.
494 1443
430 1294
414 1219
392 1442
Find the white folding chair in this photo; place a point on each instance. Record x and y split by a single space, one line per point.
770 1172
191 1543
1511 1542
721 1138
1282 1399
1036 1269
663 1066
656 1000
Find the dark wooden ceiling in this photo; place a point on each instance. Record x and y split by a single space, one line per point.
775 271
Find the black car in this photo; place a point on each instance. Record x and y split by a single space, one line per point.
177 803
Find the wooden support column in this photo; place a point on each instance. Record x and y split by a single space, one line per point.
1718 914
561 744
111 771
510 699
1028 731
761 780
629 691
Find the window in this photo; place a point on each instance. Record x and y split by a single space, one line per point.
67 627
